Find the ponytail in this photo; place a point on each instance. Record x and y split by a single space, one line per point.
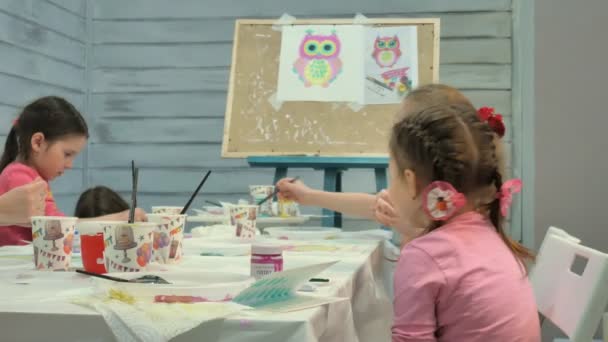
521 252
11 149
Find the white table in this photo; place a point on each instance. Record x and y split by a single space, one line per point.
261 221
34 312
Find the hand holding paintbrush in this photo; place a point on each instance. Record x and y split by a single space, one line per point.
277 190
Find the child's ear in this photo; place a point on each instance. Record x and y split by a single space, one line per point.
412 185
38 142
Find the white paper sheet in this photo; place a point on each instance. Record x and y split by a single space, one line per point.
391 63
321 63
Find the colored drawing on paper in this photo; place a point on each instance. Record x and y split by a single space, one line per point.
319 60
391 64
321 63
387 51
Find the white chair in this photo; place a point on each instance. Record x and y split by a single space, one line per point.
574 303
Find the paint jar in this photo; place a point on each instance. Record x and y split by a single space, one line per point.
265 259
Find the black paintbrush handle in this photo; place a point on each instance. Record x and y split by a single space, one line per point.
214 203
102 276
187 206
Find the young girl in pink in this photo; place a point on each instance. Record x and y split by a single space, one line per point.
43 143
463 278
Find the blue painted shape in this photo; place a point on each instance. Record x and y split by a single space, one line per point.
381 182
318 162
280 173
332 182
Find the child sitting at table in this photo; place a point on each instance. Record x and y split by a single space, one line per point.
99 201
463 279
43 143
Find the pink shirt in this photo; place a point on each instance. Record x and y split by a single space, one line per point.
462 283
14 175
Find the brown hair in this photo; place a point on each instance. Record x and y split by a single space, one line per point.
53 116
448 142
99 201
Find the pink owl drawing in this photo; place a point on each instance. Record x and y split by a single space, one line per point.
319 62
386 51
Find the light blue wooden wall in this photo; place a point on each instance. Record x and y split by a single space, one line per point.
42 52
160 73
156 75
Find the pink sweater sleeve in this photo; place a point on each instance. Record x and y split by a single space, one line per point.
418 281
23 176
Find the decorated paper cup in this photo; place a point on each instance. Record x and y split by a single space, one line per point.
243 218
260 192
128 246
92 245
168 237
167 210
53 238
287 208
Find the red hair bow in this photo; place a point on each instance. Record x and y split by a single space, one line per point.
494 120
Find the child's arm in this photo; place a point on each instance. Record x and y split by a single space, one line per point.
140 216
354 204
418 283
18 205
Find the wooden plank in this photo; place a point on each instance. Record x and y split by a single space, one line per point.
117 9
476 76
453 25
471 51
19 92
20 62
161 155
476 24
499 99
223 181
39 40
66 202
183 55
47 16
75 6
183 104
68 183
188 55
213 104
164 31
7 116
523 212
201 130
159 80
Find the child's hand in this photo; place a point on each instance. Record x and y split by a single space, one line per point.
383 209
296 191
21 203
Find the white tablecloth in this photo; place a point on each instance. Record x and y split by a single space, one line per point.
42 310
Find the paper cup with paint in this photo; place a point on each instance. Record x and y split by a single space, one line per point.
168 237
260 192
128 246
167 210
243 218
287 208
92 244
53 239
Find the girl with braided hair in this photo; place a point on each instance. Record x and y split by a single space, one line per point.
461 278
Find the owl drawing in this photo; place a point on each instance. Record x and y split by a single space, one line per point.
386 51
319 61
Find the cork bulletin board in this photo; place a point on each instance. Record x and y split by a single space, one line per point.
254 125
